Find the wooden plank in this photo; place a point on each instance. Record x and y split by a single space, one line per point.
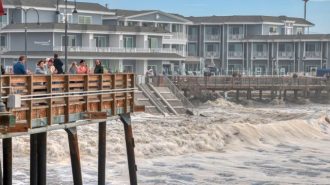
67 99
95 115
114 101
30 103
50 103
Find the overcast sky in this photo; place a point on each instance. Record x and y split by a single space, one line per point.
318 10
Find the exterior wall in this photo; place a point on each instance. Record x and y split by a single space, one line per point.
44 16
110 22
35 41
58 39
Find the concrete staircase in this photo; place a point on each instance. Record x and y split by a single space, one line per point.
174 102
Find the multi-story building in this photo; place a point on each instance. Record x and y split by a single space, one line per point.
255 45
129 40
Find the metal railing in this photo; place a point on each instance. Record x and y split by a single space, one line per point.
313 54
260 54
212 37
235 54
236 37
173 88
210 54
176 36
285 54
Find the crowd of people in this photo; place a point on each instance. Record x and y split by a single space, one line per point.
54 65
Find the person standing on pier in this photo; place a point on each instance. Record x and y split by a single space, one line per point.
83 68
2 70
41 68
19 67
58 64
98 67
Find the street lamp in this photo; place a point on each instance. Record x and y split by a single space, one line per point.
66 29
26 11
305 9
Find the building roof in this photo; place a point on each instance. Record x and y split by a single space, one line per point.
85 27
53 3
249 18
316 37
128 13
96 55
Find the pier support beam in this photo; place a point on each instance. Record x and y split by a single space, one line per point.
126 119
33 159
42 158
102 153
7 161
75 157
295 92
249 94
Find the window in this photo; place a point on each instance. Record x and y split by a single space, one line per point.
61 18
300 31
210 48
100 41
128 69
128 42
71 40
3 41
260 47
313 47
192 50
3 21
84 19
235 30
273 29
153 42
215 31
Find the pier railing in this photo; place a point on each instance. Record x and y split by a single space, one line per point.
58 99
234 83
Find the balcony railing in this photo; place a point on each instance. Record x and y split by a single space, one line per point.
119 50
212 54
260 54
285 54
236 37
313 54
212 37
3 49
192 37
235 54
176 36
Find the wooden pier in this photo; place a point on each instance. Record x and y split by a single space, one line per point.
274 84
37 104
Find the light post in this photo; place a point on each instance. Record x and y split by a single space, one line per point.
305 9
26 11
66 29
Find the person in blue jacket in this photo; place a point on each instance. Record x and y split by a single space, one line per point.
19 67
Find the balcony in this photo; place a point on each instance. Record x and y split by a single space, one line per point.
212 37
236 37
3 49
285 55
313 54
193 38
175 38
212 54
235 54
119 50
260 55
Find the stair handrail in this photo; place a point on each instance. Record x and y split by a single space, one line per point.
152 98
173 88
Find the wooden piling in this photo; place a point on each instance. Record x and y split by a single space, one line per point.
42 158
75 157
33 159
102 153
7 161
126 119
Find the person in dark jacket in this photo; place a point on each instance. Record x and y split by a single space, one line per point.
19 67
98 67
58 64
2 70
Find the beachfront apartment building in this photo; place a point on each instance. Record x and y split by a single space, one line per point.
255 45
136 40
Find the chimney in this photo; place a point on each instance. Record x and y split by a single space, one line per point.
106 5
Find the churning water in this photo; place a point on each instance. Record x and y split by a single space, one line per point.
229 144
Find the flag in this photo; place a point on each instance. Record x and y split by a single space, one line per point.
2 12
